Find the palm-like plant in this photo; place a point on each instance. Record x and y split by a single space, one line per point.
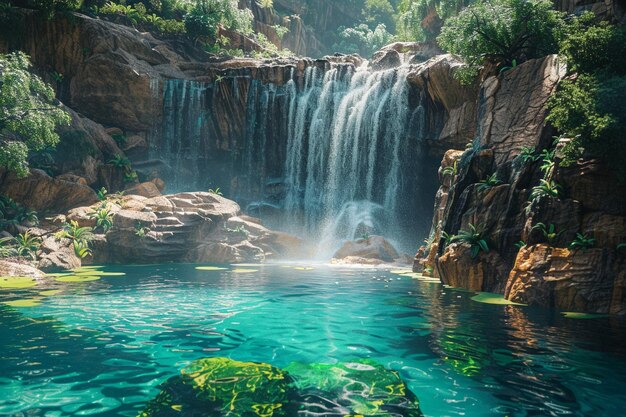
82 249
103 217
7 247
528 154
520 244
80 237
490 181
216 191
549 232
26 245
120 161
450 170
474 237
548 164
583 242
546 188
102 194
447 239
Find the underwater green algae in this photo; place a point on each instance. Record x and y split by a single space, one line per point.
224 387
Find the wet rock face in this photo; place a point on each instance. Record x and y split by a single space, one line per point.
589 280
225 387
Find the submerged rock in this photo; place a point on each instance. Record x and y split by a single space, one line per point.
224 387
359 388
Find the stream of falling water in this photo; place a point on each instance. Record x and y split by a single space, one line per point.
344 168
347 139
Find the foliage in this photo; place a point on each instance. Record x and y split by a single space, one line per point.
50 7
265 4
589 46
590 111
528 154
102 194
450 170
490 181
447 239
501 31
120 161
379 11
548 163
26 245
411 14
546 188
204 17
103 217
520 244
216 191
474 237
7 247
140 230
80 237
582 241
29 113
548 232
13 213
363 40
131 176
120 139
589 108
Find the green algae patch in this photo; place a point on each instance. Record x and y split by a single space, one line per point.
100 274
78 278
244 271
26 302
224 387
491 298
48 293
401 271
17 282
582 316
210 268
363 387
59 274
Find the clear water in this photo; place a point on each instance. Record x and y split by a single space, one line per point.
101 348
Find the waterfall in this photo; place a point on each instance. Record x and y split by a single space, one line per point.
332 153
344 168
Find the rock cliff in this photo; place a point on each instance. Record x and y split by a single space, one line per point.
488 185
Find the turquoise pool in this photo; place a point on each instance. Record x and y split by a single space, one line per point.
101 348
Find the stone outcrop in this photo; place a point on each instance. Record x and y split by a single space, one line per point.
38 191
19 269
511 115
186 227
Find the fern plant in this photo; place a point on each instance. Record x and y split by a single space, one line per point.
490 181
582 242
475 238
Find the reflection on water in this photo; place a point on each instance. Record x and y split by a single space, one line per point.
103 347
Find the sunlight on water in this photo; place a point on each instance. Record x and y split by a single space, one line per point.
103 347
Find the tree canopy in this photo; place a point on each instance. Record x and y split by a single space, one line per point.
29 113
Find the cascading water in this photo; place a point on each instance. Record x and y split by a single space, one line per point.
334 152
344 167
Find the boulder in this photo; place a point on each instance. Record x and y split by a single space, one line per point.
144 189
385 59
373 248
40 192
57 254
19 269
